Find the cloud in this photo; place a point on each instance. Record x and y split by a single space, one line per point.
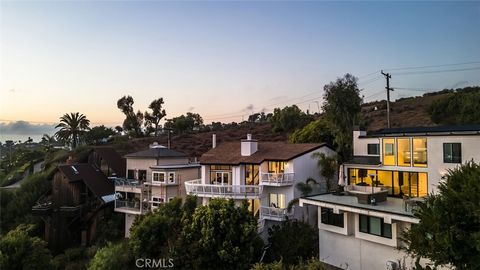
458 84
26 128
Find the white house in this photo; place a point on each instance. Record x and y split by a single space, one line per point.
390 171
154 176
262 173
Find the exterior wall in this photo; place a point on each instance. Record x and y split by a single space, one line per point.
360 145
146 163
436 168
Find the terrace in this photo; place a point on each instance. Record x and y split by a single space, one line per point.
277 179
195 187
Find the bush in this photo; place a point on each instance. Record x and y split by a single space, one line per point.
461 107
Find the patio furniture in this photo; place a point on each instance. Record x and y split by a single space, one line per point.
365 194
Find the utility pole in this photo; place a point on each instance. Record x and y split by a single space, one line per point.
388 77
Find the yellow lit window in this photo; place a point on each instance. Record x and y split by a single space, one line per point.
389 152
420 152
404 155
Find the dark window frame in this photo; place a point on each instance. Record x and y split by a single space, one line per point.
373 146
332 219
368 231
453 158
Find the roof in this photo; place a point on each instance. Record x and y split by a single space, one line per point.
228 153
94 179
157 152
113 159
472 129
366 160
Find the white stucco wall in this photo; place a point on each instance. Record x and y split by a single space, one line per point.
360 145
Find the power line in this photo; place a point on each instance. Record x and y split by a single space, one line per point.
435 71
433 66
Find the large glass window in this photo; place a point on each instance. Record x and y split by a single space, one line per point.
420 152
404 156
276 167
373 149
329 218
389 152
220 174
251 174
375 226
452 153
277 200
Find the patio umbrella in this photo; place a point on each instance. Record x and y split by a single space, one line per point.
341 177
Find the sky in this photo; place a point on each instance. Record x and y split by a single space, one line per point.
224 60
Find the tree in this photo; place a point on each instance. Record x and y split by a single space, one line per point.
342 105
133 121
19 250
153 119
112 257
95 134
184 123
459 107
305 190
73 127
328 167
288 119
219 236
291 242
47 142
318 131
311 264
449 229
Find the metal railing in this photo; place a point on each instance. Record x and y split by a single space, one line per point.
126 182
274 213
129 205
277 178
195 187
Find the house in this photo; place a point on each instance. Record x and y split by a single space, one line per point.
391 171
153 176
79 198
108 161
262 173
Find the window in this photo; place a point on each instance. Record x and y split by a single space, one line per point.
142 175
277 200
373 149
171 178
375 226
329 218
158 177
389 152
420 152
156 201
452 153
252 174
276 167
131 174
403 152
220 174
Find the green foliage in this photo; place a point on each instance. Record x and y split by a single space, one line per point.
184 123
219 236
449 228
311 264
342 105
152 120
77 258
97 133
318 131
460 107
19 250
73 127
133 121
292 242
288 119
112 257
110 228
328 167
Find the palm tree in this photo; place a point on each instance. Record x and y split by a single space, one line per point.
328 167
47 142
72 127
305 189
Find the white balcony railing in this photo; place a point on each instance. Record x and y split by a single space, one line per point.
195 187
127 206
127 185
277 179
274 213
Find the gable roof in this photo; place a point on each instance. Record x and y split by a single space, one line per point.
113 159
157 152
228 153
435 130
94 179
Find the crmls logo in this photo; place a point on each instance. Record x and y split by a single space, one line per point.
154 263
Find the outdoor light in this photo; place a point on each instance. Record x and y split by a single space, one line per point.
372 198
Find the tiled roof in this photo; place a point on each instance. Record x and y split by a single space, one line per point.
94 179
229 152
113 159
157 152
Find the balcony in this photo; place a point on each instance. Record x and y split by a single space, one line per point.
277 179
274 213
127 185
129 207
195 187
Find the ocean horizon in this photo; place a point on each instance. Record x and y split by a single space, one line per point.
20 137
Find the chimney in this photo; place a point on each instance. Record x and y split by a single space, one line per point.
69 160
249 146
214 140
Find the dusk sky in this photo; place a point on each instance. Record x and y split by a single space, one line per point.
224 59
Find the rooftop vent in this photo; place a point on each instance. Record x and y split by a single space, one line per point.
156 145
